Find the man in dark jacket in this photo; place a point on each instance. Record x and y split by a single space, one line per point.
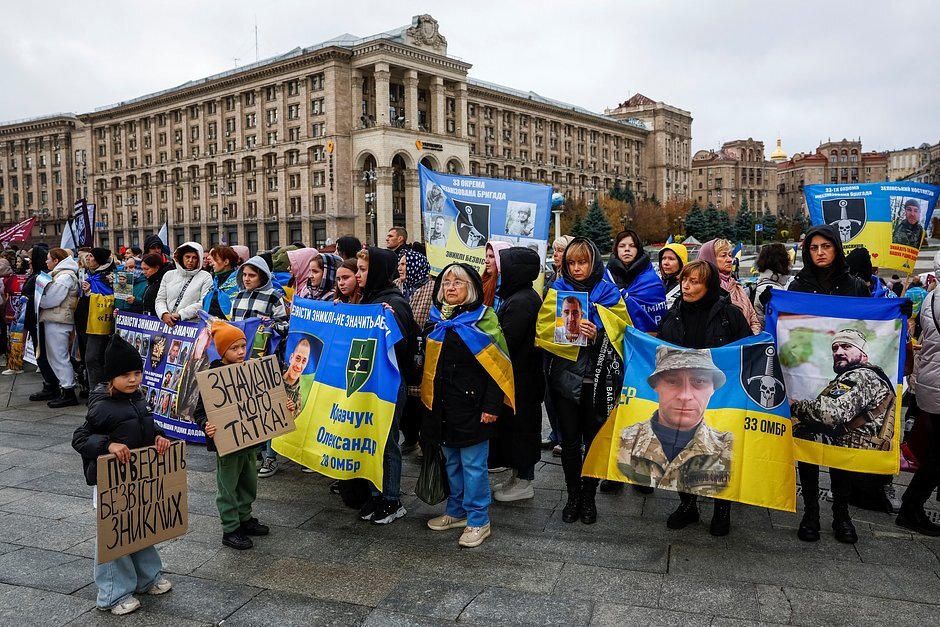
519 434
825 272
376 267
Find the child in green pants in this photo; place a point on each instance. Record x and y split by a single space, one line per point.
236 473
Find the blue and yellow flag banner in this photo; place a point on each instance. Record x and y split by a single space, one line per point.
480 332
605 309
711 422
343 376
172 356
891 220
100 306
462 213
843 365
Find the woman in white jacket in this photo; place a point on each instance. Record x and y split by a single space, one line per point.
182 290
57 314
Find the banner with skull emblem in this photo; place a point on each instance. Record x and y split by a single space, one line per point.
461 214
711 422
843 365
891 220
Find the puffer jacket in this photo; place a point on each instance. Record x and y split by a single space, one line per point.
61 296
197 284
927 359
121 418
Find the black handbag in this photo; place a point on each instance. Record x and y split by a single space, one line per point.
432 486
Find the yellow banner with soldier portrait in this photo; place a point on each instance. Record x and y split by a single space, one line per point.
710 422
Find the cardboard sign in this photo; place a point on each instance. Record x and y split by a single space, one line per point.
246 402
142 502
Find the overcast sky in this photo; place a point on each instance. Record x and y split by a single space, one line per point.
806 69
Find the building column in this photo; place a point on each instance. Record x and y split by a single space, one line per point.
411 99
382 76
383 204
413 206
462 110
437 105
356 112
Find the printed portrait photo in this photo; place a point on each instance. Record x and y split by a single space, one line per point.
570 309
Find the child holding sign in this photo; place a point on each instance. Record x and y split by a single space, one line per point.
236 473
118 420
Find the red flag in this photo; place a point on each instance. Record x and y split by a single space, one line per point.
18 232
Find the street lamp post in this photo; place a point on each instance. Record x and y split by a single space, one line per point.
223 211
369 177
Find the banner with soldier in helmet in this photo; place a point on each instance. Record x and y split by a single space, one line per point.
891 220
712 422
843 365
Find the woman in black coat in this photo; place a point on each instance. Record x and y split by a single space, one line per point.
702 317
825 272
465 403
153 268
518 441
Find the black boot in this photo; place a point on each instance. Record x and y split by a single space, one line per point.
721 518
842 523
588 507
66 399
809 525
47 393
573 507
914 518
685 514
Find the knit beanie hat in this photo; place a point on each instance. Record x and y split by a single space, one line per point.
101 255
224 335
120 358
859 263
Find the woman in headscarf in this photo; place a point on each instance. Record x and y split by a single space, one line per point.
414 281
464 394
299 267
490 275
643 293
718 253
672 258
321 281
579 375
702 317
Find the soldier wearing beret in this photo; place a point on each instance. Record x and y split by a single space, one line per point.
675 449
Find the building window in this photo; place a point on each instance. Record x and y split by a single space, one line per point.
270 93
319 179
249 98
293 112
272 183
316 82
295 204
319 203
317 106
293 87
293 134
294 181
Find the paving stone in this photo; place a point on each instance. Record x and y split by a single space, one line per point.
68 483
384 618
287 608
28 606
201 599
430 597
49 505
773 604
58 536
182 556
144 617
499 606
616 615
15 526
8 495
814 607
890 551
717 598
20 475
609 584
47 570
323 547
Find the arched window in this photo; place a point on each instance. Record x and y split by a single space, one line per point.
398 191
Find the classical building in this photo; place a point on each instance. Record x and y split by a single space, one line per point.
929 171
668 150
735 172
905 162
324 141
834 163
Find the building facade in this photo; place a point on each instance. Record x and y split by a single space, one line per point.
734 173
832 163
325 141
905 162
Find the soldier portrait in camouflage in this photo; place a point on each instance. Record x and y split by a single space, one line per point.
908 229
856 409
675 449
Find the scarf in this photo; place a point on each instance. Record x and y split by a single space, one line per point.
643 293
224 287
417 273
479 330
327 287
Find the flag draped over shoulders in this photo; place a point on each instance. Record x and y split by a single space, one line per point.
480 332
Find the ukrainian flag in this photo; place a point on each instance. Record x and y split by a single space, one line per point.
479 330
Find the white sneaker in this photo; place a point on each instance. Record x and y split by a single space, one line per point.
474 536
268 467
160 586
892 497
307 471
128 605
9 371
519 490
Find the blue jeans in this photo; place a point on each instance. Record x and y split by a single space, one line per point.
118 579
391 461
268 451
469 483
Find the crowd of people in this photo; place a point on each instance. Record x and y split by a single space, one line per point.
451 399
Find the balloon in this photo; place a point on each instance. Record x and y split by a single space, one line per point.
557 199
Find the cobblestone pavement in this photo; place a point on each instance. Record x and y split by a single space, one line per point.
322 566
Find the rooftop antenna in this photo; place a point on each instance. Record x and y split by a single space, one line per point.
235 59
257 58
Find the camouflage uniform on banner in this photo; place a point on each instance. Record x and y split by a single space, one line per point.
856 409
